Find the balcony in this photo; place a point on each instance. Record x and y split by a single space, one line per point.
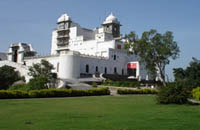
62 43
63 30
62 36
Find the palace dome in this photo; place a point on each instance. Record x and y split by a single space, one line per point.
64 17
111 19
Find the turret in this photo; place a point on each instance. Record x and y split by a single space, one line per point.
64 23
112 25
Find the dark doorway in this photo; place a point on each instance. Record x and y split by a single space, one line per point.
105 70
122 71
115 70
15 56
131 72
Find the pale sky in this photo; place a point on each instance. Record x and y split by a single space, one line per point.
31 21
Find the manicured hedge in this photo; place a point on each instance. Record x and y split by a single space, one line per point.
130 84
7 94
196 93
136 91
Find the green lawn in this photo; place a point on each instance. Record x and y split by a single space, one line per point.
97 113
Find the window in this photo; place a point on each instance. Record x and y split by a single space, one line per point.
96 68
105 70
122 71
58 67
87 68
115 70
114 57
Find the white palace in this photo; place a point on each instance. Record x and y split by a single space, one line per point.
77 52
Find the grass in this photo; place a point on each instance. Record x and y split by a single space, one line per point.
138 112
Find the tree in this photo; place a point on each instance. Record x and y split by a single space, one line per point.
190 76
179 74
154 49
38 83
8 76
43 70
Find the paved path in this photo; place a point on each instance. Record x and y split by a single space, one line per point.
113 90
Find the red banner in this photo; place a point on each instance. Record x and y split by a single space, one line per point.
132 65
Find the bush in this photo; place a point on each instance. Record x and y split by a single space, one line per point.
173 93
196 93
68 92
38 83
6 94
8 76
94 84
136 91
21 86
49 93
132 84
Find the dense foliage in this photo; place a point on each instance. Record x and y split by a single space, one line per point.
173 93
196 93
7 94
43 70
21 86
94 84
136 91
132 84
154 49
8 76
190 76
38 83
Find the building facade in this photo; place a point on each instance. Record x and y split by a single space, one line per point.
77 52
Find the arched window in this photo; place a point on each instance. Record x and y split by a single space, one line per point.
114 57
97 69
115 70
105 70
87 68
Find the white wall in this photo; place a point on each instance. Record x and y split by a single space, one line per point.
54 42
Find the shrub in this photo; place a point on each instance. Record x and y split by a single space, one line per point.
49 93
173 93
38 83
136 91
6 94
94 84
21 86
8 76
196 93
132 84
68 92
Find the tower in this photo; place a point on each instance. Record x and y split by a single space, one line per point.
17 52
63 29
112 25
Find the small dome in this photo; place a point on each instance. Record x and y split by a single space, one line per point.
111 19
64 17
